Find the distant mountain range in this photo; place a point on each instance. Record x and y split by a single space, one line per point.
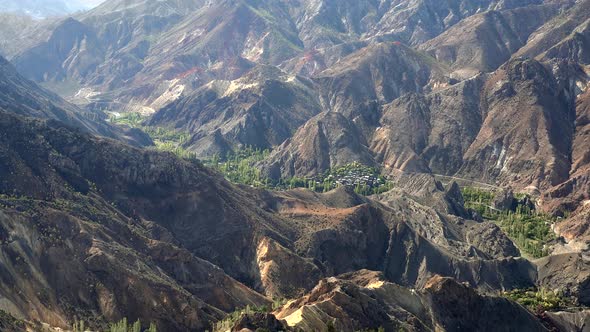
44 8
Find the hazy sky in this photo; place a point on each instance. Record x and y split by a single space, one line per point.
90 3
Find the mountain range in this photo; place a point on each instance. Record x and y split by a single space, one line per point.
44 8
300 165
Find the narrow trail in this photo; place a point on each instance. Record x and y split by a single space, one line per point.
465 182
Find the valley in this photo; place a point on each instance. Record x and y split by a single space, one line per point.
309 165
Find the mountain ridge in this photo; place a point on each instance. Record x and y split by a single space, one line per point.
298 165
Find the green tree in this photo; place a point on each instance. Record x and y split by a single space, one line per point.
330 327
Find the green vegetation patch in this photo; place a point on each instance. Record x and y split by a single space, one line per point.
231 319
165 139
538 300
241 167
10 323
529 229
134 120
121 326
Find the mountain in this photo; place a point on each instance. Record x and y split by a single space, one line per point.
483 42
441 302
21 96
534 149
186 44
12 25
557 31
262 108
85 240
43 8
452 127
118 58
153 230
301 165
404 76
100 264
328 140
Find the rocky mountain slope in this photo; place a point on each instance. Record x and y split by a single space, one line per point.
73 253
493 94
21 96
131 47
483 42
262 108
137 225
463 128
441 303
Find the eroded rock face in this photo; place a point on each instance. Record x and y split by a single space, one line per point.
356 301
354 80
147 226
485 41
556 34
328 140
366 300
450 301
567 273
283 273
256 321
261 109
572 196
523 141
570 321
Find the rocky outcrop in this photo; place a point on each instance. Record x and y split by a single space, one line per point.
356 301
450 301
258 321
365 300
567 273
527 131
141 226
483 42
326 141
355 80
570 321
261 109
504 200
284 274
